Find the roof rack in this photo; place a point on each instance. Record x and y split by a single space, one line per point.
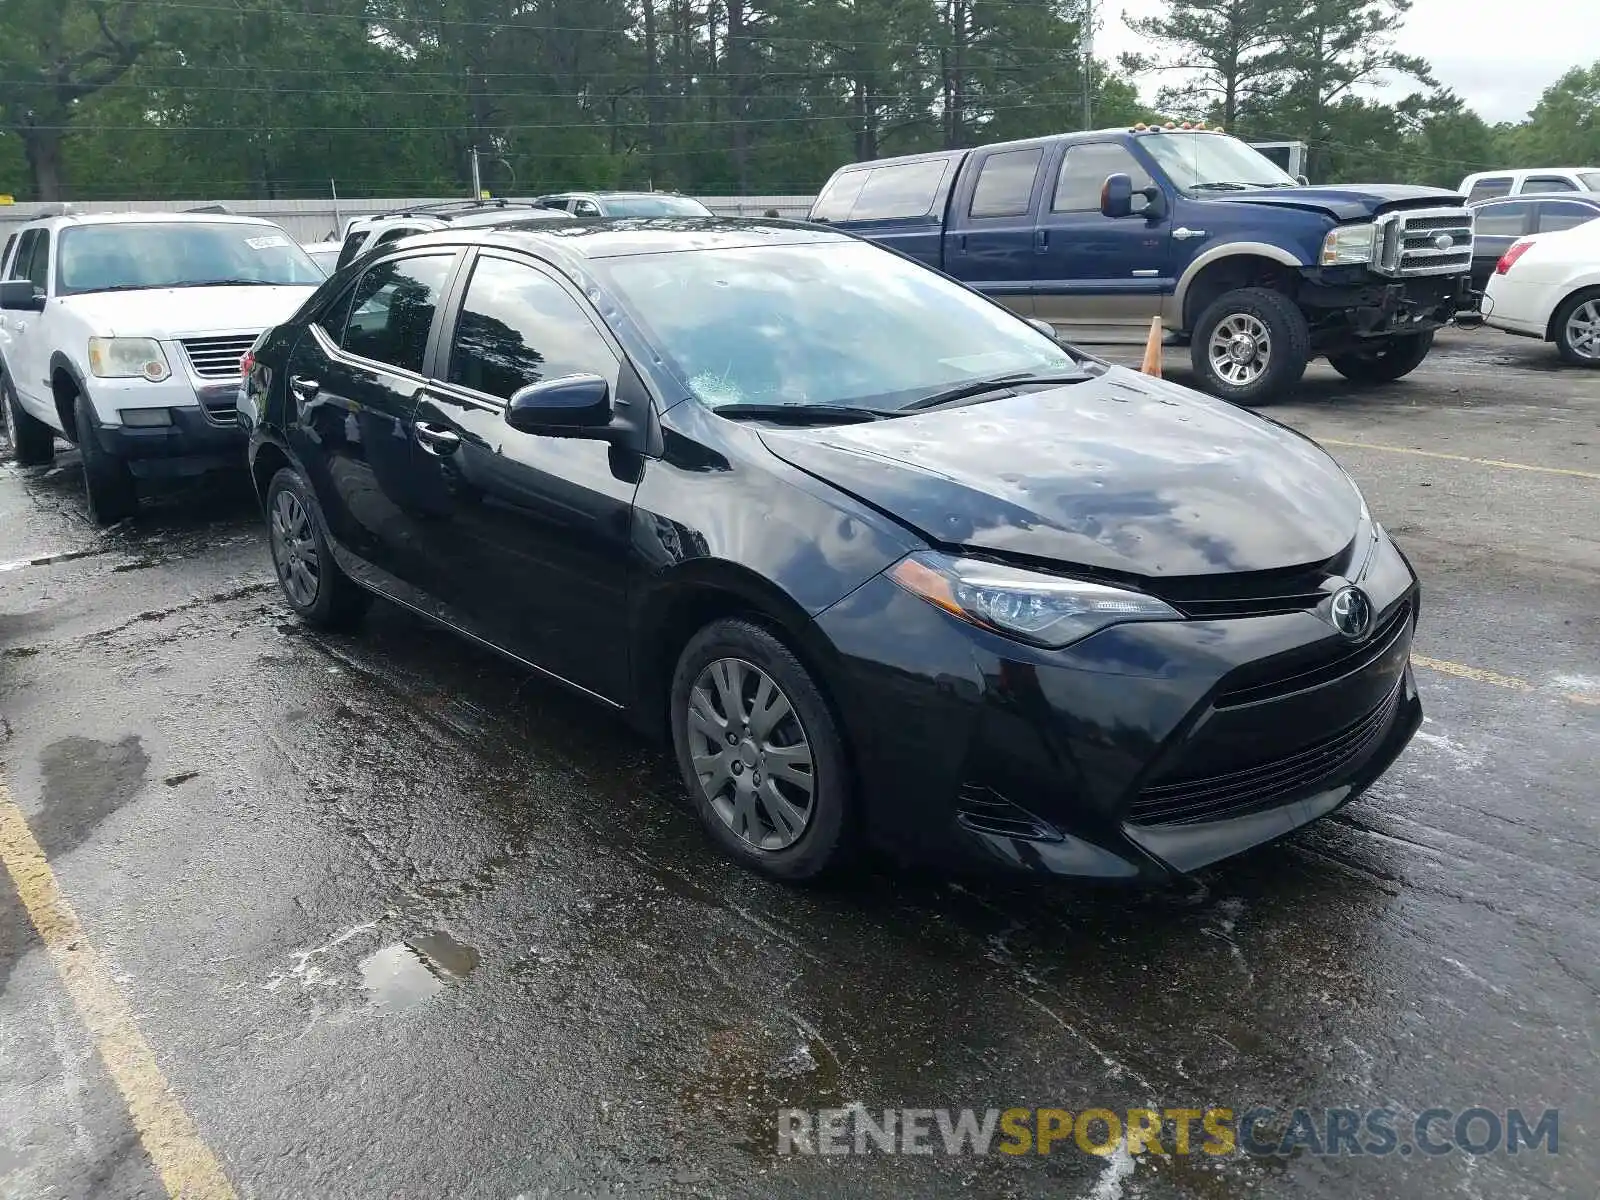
445 208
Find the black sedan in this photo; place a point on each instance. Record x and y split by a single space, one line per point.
1497 224
886 563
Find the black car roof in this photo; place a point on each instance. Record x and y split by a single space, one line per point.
621 237
1590 198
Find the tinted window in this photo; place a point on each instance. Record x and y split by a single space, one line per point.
518 326
1005 183
1590 180
1501 220
903 190
835 203
1083 174
6 253
1548 183
1563 214
1484 189
393 310
25 244
585 208
38 266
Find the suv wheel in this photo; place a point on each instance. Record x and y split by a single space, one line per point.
1577 326
1385 362
318 591
760 753
1250 346
33 441
106 479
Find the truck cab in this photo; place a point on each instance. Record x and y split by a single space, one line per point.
1099 232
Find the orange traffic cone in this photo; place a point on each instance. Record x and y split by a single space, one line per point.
1152 351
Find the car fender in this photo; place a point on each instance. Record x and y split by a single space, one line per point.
1222 250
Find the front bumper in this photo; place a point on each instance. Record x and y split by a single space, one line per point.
1347 304
1142 753
197 441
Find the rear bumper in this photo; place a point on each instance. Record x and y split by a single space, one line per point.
1142 753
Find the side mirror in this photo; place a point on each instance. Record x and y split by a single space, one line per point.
576 406
18 295
1116 196
1043 327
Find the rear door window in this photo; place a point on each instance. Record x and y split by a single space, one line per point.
1490 187
1084 169
1005 184
392 310
1502 220
26 241
901 190
1555 215
1548 183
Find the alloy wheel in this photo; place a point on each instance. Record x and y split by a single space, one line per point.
1583 330
1239 349
751 754
294 549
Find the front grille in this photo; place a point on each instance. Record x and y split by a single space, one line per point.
1272 679
1267 785
987 811
217 357
1406 244
1251 593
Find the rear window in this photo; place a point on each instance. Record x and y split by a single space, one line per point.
1549 183
1488 189
839 197
902 190
1005 184
1590 180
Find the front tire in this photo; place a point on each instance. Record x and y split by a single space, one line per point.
313 585
1577 324
1391 359
107 481
1250 346
33 442
761 754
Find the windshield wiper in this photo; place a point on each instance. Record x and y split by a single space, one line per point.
224 283
977 387
800 414
1219 186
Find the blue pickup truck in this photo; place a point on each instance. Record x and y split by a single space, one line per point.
1098 232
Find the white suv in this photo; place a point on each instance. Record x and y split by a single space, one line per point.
123 334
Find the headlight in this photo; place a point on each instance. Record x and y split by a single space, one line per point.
1348 244
128 358
1046 610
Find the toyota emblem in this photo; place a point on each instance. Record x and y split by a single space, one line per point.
1444 241
1351 612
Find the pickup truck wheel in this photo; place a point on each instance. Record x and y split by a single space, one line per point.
106 479
760 753
1577 325
319 592
1385 362
1250 346
33 441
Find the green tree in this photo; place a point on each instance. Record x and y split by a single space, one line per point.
1232 50
54 55
1442 140
1564 127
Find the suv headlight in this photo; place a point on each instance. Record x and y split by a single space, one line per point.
128 358
1045 610
1348 244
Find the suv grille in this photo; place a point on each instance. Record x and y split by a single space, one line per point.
1407 242
217 357
1253 789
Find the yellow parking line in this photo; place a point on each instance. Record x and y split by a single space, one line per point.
187 1167
1475 673
1482 462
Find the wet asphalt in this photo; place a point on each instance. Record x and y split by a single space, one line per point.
398 920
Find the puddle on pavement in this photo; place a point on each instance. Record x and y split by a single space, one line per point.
406 975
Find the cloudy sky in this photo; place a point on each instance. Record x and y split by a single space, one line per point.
1498 65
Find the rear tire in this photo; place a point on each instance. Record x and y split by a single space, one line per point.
1577 326
736 680
107 482
33 442
311 581
1391 359
1250 346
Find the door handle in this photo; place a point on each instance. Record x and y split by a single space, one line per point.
1183 234
1041 239
435 439
304 389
